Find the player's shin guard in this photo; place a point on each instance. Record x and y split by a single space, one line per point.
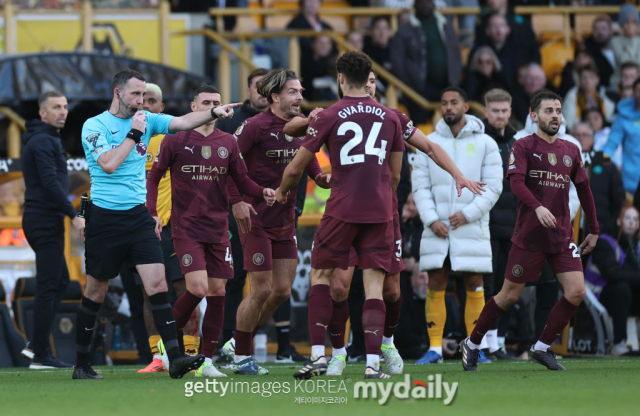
165 323
488 317
85 323
184 307
392 316
338 323
473 309
558 318
373 316
212 325
320 310
436 313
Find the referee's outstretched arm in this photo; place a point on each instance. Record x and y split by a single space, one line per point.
196 119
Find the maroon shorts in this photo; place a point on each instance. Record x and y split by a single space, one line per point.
397 265
216 259
335 238
261 245
524 266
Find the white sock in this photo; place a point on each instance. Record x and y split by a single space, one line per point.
317 351
492 340
541 346
208 360
436 349
373 361
239 358
157 357
500 342
339 351
387 341
472 345
483 344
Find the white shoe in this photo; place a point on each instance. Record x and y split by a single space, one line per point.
209 370
620 348
392 359
336 365
163 353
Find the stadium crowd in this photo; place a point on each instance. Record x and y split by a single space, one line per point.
449 271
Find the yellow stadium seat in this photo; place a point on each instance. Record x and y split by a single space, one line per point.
426 128
246 24
584 25
555 56
545 23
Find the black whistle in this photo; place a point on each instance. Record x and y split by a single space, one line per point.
84 203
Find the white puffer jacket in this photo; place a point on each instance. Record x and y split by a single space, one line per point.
477 156
530 128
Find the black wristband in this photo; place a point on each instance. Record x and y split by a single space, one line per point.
135 135
213 114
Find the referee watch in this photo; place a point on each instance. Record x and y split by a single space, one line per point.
135 135
213 114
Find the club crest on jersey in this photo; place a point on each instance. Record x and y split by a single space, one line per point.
552 158
517 270
567 161
288 138
141 148
223 152
206 152
258 259
187 260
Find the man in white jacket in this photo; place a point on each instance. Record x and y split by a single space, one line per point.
456 235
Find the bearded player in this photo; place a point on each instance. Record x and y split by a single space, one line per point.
341 280
201 161
268 235
540 170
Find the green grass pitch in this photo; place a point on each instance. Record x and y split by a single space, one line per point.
606 386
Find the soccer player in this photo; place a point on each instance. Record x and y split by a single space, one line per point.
152 103
540 169
341 280
200 161
365 144
269 238
119 228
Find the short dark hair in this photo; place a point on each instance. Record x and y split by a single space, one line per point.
541 95
355 66
589 68
629 64
204 88
259 72
453 88
274 81
49 94
121 78
376 19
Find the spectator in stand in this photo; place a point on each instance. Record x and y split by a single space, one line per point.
613 274
502 217
626 47
427 73
625 131
252 106
581 59
376 45
599 47
531 78
308 19
586 95
629 72
485 73
318 70
601 130
521 32
605 180
355 39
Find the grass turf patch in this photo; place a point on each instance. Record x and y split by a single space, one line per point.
589 387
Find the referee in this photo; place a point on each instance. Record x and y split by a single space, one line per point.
44 166
119 227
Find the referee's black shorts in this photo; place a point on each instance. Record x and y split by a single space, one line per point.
171 263
114 237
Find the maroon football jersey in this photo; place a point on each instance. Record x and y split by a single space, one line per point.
548 169
359 134
267 151
199 168
408 129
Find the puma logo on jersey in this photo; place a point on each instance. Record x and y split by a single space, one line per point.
324 326
189 149
538 156
276 135
375 333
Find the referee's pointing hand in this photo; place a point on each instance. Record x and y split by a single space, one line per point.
139 121
226 111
